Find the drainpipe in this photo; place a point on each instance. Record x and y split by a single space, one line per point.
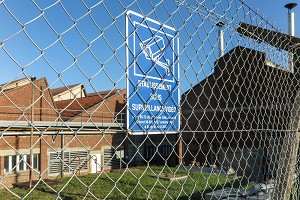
221 38
291 27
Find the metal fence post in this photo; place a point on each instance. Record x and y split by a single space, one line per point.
31 131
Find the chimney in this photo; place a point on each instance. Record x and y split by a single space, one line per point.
291 25
291 18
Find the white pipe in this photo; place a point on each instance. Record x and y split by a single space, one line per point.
291 25
291 22
221 42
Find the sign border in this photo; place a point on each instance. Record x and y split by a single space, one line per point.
127 21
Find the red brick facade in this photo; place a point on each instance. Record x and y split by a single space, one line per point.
16 107
93 124
16 103
107 111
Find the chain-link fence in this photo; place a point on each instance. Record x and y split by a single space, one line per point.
146 99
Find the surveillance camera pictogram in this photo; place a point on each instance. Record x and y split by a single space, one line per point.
153 48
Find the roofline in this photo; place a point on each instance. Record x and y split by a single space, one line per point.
12 82
69 88
40 79
104 99
49 91
273 38
267 63
13 89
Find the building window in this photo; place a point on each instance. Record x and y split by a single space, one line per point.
20 163
27 162
13 162
6 164
166 150
35 160
149 151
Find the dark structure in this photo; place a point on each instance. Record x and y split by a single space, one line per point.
237 112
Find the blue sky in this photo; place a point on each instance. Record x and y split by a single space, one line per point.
275 12
60 40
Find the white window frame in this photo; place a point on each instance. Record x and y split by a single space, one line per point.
16 167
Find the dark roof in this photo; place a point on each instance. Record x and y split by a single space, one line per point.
102 93
59 90
274 38
76 106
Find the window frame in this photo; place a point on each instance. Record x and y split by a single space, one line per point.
21 163
166 150
149 151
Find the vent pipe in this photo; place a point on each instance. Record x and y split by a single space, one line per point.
291 25
221 38
291 18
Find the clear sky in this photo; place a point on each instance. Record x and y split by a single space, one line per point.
275 11
71 42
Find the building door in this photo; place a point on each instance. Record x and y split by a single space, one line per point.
95 163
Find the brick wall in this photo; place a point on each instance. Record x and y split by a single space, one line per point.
105 111
45 111
16 103
23 176
47 144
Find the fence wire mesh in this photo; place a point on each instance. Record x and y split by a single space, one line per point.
147 99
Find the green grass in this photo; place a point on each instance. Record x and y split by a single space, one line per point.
134 183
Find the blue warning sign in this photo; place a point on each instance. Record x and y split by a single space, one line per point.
152 76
